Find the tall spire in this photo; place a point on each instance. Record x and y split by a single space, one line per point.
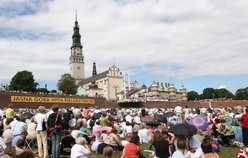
76 15
76 58
76 37
94 73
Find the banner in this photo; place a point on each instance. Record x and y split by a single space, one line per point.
29 99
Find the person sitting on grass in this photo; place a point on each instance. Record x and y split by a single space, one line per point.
22 136
133 148
227 133
81 148
108 152
112 140
160 145
20 147
207 149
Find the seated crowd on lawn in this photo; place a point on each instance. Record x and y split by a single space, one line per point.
85 132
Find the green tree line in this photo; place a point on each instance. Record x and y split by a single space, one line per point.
219 94
24 81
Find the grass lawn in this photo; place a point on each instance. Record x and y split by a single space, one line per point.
226 152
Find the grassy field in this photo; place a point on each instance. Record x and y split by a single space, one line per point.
226 152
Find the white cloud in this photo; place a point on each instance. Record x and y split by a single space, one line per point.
172 38
222 87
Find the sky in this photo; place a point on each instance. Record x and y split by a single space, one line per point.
197 43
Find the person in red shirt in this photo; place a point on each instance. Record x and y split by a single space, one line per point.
244 121
133 149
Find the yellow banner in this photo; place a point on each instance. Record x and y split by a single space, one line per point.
30 99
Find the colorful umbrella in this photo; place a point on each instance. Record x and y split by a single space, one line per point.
199 122
101 129
183 129
228 119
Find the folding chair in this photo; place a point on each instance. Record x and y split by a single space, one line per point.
31 142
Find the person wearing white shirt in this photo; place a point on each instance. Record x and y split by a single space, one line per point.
95 127
136 119
143 134
72 122
41 118
186 112
128 130
129 118
13 123
195 147
77 112
80 148
178 110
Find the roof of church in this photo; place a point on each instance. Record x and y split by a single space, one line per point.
93 78
143 86
81 91
133 91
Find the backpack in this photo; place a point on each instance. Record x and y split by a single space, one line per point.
92 123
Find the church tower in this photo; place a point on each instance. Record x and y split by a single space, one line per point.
77 57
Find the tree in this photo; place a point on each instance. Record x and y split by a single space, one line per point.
242 94
43 90
208 93
223 93
23 81
67 84
53 91
193 95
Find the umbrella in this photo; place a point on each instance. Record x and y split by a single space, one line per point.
183 129
26 115
228 119
238 133
152 123
160 118
101 129
169 114
97 115
199 122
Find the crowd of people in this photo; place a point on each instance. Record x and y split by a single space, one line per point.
83 132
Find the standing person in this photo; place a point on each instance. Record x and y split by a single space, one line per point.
133 149
10 113
54 126
86 112
41 133
178 110
244 121
186 112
